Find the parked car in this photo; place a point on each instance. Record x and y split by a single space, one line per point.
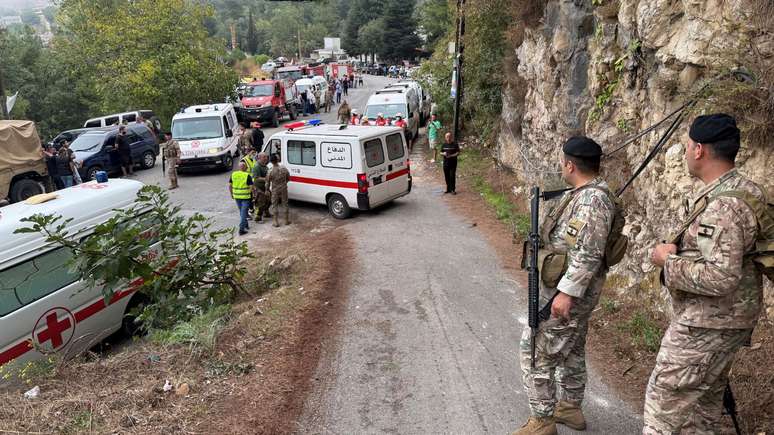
93 149
69 136
119 118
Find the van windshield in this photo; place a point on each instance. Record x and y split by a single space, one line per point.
259 90
293 75
87 142
387 110
197 128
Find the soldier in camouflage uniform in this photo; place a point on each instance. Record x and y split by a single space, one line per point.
172 155
579 227
261 198
715 288
277 180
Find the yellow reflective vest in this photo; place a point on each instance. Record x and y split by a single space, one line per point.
239 187
250 162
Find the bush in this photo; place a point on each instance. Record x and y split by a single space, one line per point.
199 333
180 263
261 59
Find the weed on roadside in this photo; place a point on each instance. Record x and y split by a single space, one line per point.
199 334
644 332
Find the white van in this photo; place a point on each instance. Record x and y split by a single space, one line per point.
323 84
311 85
44 307
344 166
390 102
423 97
208 136
123 118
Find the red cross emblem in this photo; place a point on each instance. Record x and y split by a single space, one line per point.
54 329
195 144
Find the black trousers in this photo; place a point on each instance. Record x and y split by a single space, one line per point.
450 174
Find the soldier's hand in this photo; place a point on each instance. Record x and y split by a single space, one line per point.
561 305
660 253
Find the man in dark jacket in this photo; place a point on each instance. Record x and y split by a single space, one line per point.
124 149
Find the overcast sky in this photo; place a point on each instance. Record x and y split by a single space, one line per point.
23 4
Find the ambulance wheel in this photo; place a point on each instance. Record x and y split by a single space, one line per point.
129 324
228 163
338 206
275 120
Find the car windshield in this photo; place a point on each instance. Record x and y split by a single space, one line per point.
387 110
196 128
259 90
87 142
302 88
293 75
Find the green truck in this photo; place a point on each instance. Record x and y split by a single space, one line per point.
22 163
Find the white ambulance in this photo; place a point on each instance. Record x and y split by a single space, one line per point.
44 307
208 136
343 166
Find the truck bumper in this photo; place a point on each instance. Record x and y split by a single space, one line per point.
206 162
263 114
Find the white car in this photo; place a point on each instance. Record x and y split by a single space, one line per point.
344 166
44 307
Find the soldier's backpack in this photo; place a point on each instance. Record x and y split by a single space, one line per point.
553 265
763 253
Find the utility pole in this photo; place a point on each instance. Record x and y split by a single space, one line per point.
459 47
3 108
299 45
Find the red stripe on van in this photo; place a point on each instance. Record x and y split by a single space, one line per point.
321 182
18 350
397 174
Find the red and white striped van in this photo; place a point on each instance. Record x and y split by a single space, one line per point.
344 166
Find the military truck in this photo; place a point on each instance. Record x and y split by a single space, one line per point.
22 164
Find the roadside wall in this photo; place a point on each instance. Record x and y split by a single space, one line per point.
608 69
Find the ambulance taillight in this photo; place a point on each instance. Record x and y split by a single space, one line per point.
362 183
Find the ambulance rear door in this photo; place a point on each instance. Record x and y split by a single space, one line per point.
375 166
398 165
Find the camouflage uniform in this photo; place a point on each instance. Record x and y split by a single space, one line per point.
278 179
581 232
261 197
716 297
246 141
172 156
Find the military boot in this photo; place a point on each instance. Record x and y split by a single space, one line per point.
538 426
276 220
287 217
570 415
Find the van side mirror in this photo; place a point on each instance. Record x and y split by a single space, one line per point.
229 133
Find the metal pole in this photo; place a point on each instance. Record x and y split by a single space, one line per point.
3 114
299 45
458 63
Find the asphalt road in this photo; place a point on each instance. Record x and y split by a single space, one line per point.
428 343
207 191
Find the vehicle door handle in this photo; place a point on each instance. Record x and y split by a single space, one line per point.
389 167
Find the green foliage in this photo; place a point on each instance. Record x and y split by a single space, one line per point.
608 305
371 35
643 330
200 333
435 74
251 40
360 13
399 38
30 371
434 17
261 59
597 2
235 56
193 267
144 54
623 125
601 100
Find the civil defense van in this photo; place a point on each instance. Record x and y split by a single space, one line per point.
208 136
44 307
345 167
390 102
424 98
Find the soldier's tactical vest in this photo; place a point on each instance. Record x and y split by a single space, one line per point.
763 253
552 262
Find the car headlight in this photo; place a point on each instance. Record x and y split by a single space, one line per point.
215 150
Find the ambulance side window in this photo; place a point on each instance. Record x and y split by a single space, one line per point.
374 152
34 279
301 152
395 146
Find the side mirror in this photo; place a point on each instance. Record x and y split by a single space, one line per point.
229 133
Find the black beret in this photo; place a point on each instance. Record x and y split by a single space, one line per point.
713 128
581 146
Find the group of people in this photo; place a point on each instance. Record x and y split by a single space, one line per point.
254 186
708 267
312 100
61 166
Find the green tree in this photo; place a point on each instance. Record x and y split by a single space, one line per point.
166 61
399 38
370 37
434 17
360 13
251 41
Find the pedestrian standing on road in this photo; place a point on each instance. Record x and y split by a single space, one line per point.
239 188
245 139
312 103
261 200
172 154
147 123
64 167
124 150
450 150
305 102
360 80
256 137
432 132
277 180
578 230
338 92
715 285
345 85
328 98
354 120
344 113
50 155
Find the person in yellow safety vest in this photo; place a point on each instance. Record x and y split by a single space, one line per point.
249 159
240 186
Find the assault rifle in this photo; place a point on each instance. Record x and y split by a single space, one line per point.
730 404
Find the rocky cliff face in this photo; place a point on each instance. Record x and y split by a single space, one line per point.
608 69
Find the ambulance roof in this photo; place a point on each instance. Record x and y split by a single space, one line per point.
334 130
88 204
203 111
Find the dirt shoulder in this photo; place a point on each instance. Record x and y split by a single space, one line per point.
253 379
625 331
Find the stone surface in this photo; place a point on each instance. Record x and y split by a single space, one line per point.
646 55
